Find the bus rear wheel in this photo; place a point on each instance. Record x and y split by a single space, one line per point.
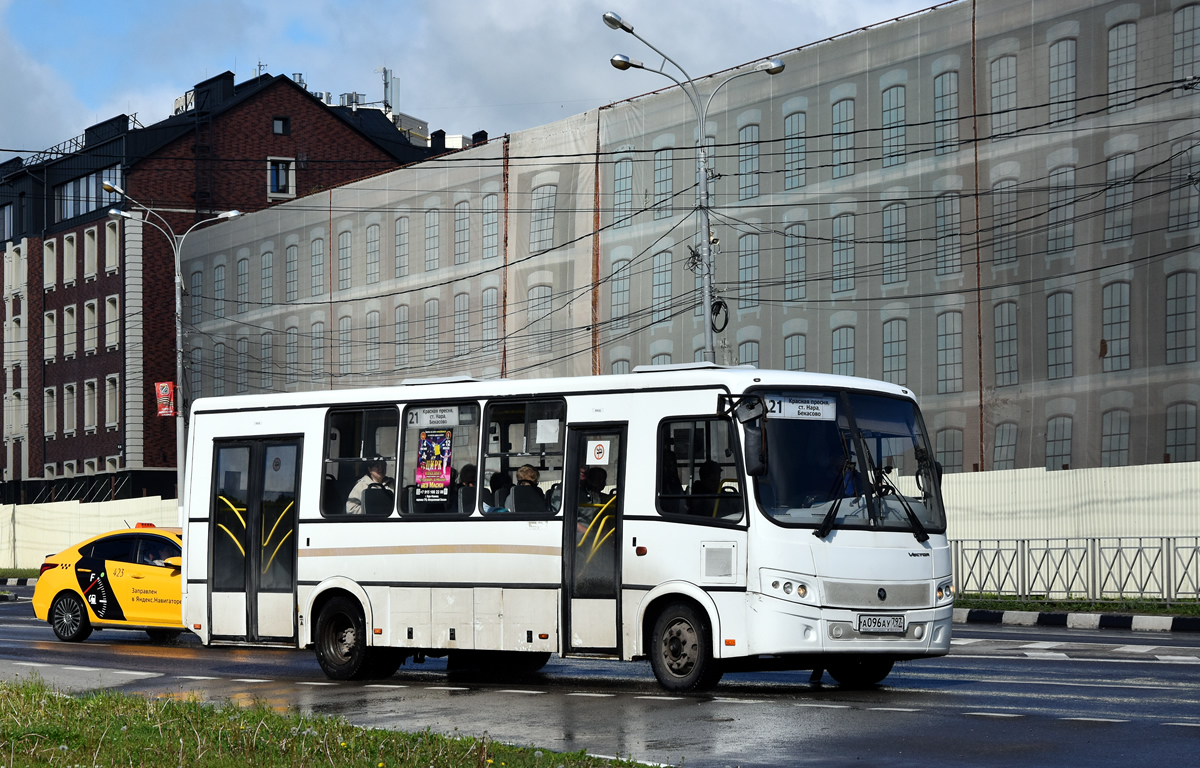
681 650
341 640
860 673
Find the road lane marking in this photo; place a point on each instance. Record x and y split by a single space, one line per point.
249 680
1179 659
1093 719
660 698
384 685
724 700
1046 655
1135 648
29 664
594 695
1042 646
445 688
135 673
1185 725
1089 660
523 693
315 682
965 640
893 709
992 714
824 706
195 677
83 669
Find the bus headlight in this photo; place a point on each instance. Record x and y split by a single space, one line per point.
945 591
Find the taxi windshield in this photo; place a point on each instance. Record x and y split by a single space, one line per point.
841 459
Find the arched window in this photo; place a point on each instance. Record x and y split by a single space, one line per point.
1058 443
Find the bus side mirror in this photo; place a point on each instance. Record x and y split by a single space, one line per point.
751 413
756 449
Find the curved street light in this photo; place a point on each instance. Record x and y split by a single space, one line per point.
688 86
176 241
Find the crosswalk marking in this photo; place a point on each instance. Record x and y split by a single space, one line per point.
1043 646
1046 655
1179 659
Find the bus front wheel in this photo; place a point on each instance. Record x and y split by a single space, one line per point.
860 673
681 650
341 640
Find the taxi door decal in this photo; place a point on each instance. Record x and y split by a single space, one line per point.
96 587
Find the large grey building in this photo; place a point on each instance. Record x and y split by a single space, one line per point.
991 204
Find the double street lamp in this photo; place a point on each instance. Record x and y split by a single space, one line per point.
176 241
688 86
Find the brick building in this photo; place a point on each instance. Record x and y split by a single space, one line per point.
88 300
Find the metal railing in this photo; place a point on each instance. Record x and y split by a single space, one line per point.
1153 568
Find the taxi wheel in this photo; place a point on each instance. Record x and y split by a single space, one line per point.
68 617
341 640
163 636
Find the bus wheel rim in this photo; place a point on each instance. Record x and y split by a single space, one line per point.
679 643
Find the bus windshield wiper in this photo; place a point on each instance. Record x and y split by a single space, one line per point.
838 487
885 486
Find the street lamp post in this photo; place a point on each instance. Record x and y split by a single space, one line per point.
688 86
176 242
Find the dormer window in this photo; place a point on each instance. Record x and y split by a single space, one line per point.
281 177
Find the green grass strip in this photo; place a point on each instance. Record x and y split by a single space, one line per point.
41 726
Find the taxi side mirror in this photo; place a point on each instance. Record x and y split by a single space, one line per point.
174 562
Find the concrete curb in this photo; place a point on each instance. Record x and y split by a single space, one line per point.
18 582
1078 620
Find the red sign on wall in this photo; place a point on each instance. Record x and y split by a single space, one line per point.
165 393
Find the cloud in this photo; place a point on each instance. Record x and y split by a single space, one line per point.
500 65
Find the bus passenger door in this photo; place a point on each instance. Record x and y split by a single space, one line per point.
593 479
253 541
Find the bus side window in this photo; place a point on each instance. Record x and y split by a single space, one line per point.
523 457
698 473
438 471
360 462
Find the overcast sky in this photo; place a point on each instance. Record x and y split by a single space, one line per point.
498 65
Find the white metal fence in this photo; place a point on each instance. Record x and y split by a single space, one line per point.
1166 567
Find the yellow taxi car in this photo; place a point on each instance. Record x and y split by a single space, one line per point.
127 578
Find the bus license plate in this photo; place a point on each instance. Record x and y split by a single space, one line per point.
881 624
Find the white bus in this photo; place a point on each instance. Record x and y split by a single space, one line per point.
708 519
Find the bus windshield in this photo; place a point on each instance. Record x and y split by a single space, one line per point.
849 460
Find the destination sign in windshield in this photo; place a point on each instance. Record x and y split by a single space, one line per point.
804 407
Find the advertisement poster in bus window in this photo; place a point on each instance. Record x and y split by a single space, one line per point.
433 465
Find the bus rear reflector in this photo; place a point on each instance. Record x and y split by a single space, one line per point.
195 626
731 642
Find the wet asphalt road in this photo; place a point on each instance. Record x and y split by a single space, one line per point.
1004 697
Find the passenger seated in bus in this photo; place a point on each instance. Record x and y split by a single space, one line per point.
466 489
526 496
375 476
592 482
497 492
704 491
592 498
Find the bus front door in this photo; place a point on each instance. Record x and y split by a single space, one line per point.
593 480
252 560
